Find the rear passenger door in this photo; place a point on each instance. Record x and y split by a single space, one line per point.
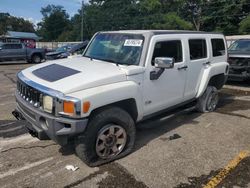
198 56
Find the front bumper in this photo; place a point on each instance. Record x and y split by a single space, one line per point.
238 77
241 75
45 125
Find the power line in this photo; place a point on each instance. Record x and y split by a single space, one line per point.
82 21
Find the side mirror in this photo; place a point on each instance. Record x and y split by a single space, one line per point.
1 48
164 62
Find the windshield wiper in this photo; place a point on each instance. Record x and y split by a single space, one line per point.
110 60
91 58
107 60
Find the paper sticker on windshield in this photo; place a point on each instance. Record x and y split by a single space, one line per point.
133 42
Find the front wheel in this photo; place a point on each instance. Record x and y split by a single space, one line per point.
209 100
110 135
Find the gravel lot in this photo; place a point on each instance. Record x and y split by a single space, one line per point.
204 145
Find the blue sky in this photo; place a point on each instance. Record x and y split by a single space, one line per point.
30 9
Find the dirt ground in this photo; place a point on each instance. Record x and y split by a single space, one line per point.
202 146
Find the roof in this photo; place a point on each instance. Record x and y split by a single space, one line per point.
28 35
159 32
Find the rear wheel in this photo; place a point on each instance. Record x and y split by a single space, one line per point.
36 58
110 135
209 100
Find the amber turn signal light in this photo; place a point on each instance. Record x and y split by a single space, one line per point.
86 106
68 107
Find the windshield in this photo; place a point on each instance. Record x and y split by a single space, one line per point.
116 48
241 45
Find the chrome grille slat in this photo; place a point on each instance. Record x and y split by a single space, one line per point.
29 94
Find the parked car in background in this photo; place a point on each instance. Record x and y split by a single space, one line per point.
59 53
66 51
18 51
239 60
78 48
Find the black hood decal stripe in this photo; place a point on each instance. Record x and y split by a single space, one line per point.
54 72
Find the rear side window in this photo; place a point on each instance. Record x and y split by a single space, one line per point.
218 47
12 46
16 46
171 49
197 48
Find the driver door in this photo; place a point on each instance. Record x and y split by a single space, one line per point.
168 89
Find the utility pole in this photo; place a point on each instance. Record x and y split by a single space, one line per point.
82 21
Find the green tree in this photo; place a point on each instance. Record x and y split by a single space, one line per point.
8 22
106 15
215 15
174 22
193 11
225 16
101 15
55 21
245 25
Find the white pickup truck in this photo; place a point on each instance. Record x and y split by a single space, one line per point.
123 77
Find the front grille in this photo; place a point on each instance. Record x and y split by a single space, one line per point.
239 61
239 65
29 94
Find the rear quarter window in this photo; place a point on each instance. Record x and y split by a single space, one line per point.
197 48
16 46
12 46
218 47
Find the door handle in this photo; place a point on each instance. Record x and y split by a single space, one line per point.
183 67
207 63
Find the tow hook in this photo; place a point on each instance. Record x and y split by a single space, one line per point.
17 115
32 133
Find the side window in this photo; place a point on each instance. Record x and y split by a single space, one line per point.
9 46
218 47
197 48
16 46
6 46
171 49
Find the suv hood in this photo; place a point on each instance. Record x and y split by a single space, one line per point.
237 53
71 75
53 53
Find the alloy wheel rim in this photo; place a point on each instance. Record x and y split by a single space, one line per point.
110 141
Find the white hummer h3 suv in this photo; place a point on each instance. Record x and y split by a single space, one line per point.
122 78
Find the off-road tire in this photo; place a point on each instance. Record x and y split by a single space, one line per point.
85 144
36 58
203 101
